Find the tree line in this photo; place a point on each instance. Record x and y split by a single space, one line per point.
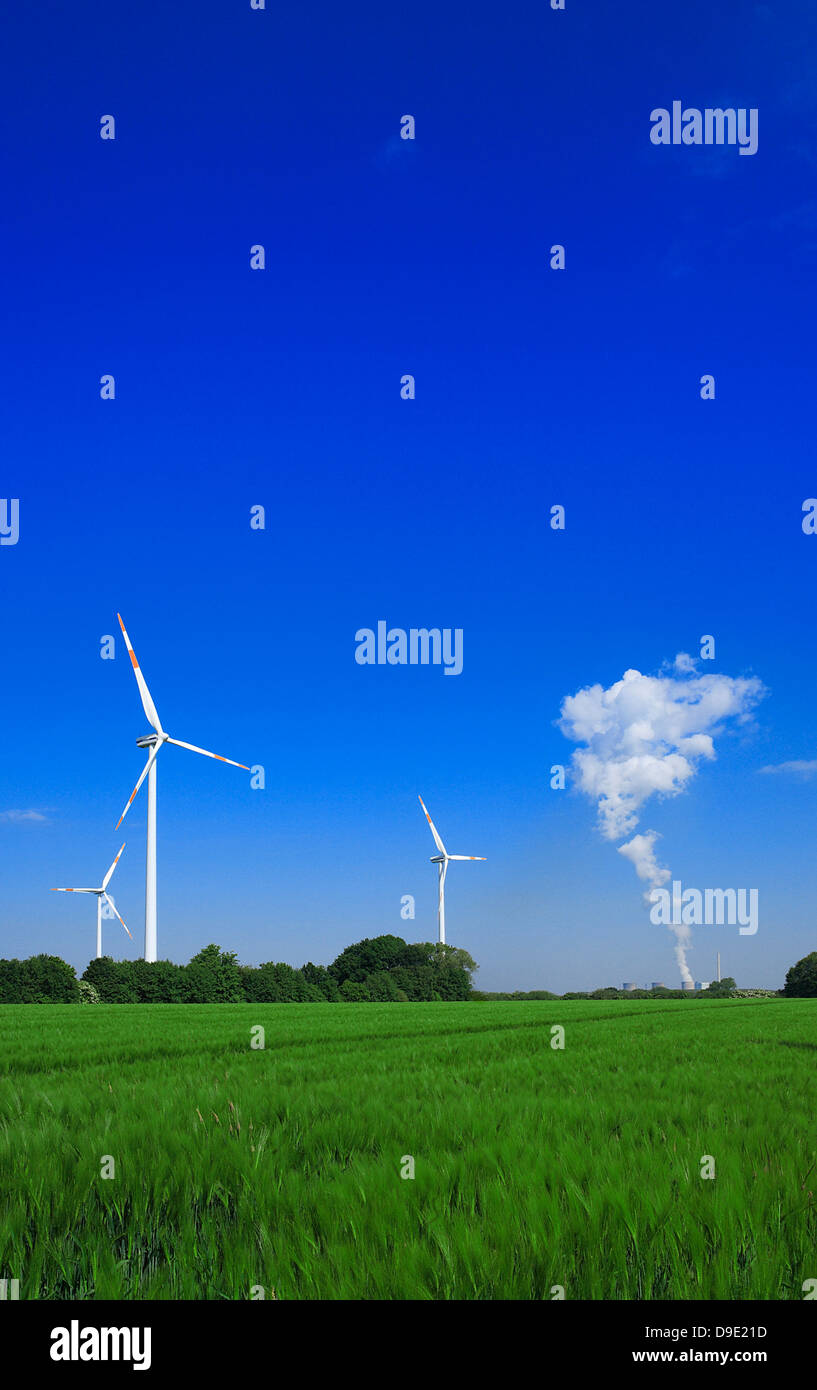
380 969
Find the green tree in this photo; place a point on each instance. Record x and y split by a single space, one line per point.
158 981
354 992
416 956
452 956
112 979
412 983
319 976
367 956
451 982
383 987
275 982
49 980
212 977
721 989
12 981
801 979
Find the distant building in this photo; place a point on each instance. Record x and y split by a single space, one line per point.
658 984
687 984
629 985
702 984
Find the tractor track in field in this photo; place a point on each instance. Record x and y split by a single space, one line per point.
375 1041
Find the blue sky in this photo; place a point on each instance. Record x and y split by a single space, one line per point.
282 388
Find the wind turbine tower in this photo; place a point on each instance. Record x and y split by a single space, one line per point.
100 894
442 860
154 742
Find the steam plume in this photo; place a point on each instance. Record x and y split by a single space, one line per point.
647 735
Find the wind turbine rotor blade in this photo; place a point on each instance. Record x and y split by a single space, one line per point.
438 842
467 856
193 749
147 703
106 880
75 890
109 900
145 770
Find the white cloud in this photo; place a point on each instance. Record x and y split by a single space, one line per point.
800 766
18 817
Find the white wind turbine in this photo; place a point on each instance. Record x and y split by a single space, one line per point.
100 894
154 742
442 860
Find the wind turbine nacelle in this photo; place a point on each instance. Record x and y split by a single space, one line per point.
438 859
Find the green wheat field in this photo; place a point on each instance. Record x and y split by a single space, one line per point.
535 1168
